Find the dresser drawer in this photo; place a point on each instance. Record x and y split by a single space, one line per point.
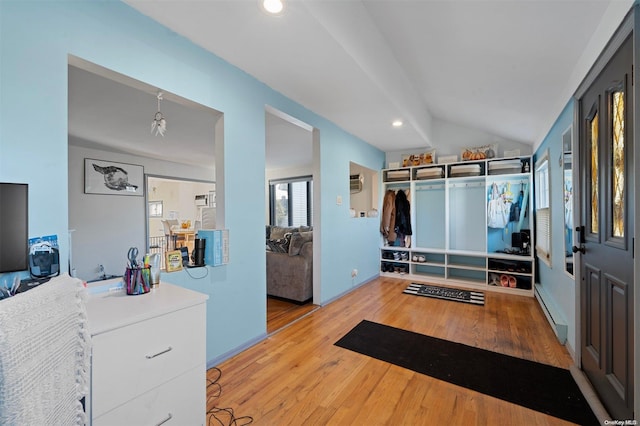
131 360
179 402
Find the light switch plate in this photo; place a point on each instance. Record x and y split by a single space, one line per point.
339 200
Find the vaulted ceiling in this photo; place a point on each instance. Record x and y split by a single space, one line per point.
502 67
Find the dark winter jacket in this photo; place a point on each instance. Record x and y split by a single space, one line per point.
403 214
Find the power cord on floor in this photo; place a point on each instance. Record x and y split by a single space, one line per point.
223 416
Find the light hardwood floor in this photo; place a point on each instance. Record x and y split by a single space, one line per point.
281 313
298 377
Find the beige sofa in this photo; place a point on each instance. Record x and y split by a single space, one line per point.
290 263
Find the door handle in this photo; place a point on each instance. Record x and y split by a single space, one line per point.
580 249
581 239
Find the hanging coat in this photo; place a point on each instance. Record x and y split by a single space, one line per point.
388 218
403 214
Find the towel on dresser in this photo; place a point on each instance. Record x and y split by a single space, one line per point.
44 355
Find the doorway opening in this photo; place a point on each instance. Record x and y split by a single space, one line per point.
291 218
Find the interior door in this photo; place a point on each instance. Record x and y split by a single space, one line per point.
606 233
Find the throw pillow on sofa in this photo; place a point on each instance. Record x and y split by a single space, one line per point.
298 239
279 245
281 231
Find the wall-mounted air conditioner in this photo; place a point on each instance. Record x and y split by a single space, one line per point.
355 183
202 200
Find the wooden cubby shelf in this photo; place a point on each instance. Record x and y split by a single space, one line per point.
472 225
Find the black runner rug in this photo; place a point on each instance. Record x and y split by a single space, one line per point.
446 293
544 388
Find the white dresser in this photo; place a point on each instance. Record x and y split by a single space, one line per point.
149 357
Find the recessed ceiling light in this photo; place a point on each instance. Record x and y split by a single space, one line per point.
397 123
273 6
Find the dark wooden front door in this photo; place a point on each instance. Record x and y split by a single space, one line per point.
606 158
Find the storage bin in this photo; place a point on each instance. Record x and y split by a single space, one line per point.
429 173
397 175
505 167
465 170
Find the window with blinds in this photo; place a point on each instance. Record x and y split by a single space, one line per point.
543 209
299 204
543 247
290 201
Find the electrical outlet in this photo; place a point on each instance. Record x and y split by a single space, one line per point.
354 273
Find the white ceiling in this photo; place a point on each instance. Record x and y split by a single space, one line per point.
496 66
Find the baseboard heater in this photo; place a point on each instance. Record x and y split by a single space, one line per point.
549 310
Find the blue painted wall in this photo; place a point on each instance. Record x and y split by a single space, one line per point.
557 284
36 38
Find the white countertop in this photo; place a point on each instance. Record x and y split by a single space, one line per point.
109 307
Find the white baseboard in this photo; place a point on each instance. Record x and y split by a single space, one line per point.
548 307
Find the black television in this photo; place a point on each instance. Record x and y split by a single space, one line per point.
14 227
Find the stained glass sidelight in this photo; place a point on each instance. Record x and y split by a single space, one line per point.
617 153
594 174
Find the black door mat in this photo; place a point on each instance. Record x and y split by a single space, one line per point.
540 387
455 294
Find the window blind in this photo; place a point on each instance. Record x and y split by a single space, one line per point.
299 203
543 234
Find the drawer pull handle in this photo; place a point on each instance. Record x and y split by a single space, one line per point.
160 353
169 417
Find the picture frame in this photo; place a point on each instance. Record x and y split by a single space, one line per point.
112 178
420 159
479 152
173 261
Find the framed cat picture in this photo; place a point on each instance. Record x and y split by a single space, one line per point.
111 178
